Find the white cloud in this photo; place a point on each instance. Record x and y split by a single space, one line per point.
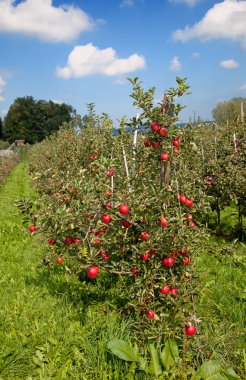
190 3
243 87
224 20
88 59
2 86
229 64
39 18
174 64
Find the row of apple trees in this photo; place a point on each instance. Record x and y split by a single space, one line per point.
126 203
222 165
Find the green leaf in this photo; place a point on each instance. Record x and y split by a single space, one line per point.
123 350
210 370
230 374
143 364
170 354
155 365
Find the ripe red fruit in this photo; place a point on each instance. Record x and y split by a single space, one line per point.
146 256
189 202
110 172
105 256
188 218
150 314
96 242
168 261
69 240
164 222
125 223
92 272
147 143
176 151
106 218
51 241
92 158
162 131
186 261
107 193
59 260
134 272
77 240
192 225
33 228
124 209
144 236
174 292
182 199
156 144
176 142
154 126
95 151
165 289
190 330
164 157
109 205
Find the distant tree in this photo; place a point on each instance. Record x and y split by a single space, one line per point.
1 128
229 111
33 120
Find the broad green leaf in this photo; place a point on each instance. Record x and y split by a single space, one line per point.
123 350
230 374
210 370
143 364
155 365
170 354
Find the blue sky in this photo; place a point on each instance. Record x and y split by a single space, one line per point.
83 51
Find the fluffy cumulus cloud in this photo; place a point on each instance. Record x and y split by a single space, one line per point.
225 19
229 64
41 19
2 86
88 59
174 64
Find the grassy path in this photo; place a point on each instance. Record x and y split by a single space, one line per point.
36 327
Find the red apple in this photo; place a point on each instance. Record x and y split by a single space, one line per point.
164 156
154 126
124 209
182 199
165 289
164 222
33 228
168 261
150 314
176 142
144 236
59 260
174 292
92 272
125 223
147 143
190 329
106 218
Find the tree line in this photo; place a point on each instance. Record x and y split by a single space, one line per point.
34 120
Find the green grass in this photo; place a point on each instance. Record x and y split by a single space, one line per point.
221 301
